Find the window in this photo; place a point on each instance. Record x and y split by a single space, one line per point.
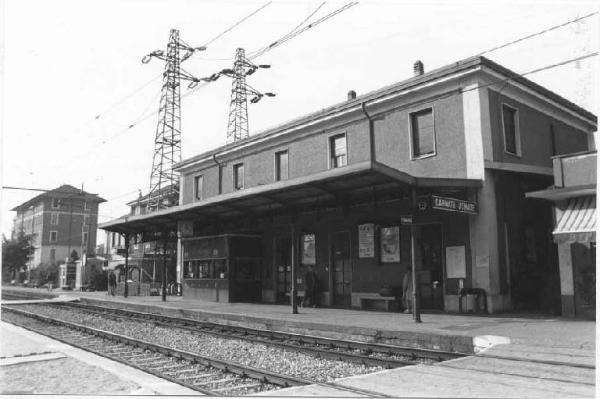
198 187
53 236
238 176
86 220
137 210
112 239
55 203
309 256
52 254
54 218
281 165
85 228
510 125
337 151
86 206
85 238
422 133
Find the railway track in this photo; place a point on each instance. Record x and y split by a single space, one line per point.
208 376
385 356
205 375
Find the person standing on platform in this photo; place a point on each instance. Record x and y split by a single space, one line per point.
407 291
310 287
112 283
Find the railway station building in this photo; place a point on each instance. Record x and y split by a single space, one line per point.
444 157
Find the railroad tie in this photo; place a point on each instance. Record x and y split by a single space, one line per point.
159 363
237 387
197 376
182 371
214 382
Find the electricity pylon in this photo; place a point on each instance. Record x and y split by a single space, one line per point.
164 185
237 128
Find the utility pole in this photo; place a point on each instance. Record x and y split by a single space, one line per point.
237 128
164 185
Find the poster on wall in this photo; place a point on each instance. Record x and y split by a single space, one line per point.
390 244
456 263
308 249
366 240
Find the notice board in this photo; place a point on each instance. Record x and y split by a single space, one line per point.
366 240
456 262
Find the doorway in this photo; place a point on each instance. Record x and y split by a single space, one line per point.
283 268
430 265
341 268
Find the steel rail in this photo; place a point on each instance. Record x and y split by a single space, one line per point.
69 341
413 353
313 351
240 370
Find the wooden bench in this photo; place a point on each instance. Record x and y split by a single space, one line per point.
389 302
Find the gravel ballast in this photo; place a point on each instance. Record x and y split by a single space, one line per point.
233 350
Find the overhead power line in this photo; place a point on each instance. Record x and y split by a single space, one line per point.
540 69
297 32
43 190
123 99
203 84
295 28
537 33
236 24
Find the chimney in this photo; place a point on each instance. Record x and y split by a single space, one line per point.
418 68
351 95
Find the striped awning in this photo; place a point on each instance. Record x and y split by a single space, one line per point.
578 222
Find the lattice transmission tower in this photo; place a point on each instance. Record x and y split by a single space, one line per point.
237 128
164 185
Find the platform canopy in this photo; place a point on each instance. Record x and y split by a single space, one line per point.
349 184
578 221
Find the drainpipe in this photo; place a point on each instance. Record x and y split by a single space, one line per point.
220 166
371 131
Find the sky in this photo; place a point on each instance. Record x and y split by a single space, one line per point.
72 81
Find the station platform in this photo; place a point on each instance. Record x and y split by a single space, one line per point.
467 333
516 355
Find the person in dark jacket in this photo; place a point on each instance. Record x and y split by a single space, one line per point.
407 291
310 288
112 283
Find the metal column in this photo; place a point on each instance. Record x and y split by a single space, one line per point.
126 290
416 302
164 268
294 292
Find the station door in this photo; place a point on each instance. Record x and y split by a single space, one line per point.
342 268
431 270
283 268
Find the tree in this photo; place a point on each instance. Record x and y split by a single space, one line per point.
46 273
16 253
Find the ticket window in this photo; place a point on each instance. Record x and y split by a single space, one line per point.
205 269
